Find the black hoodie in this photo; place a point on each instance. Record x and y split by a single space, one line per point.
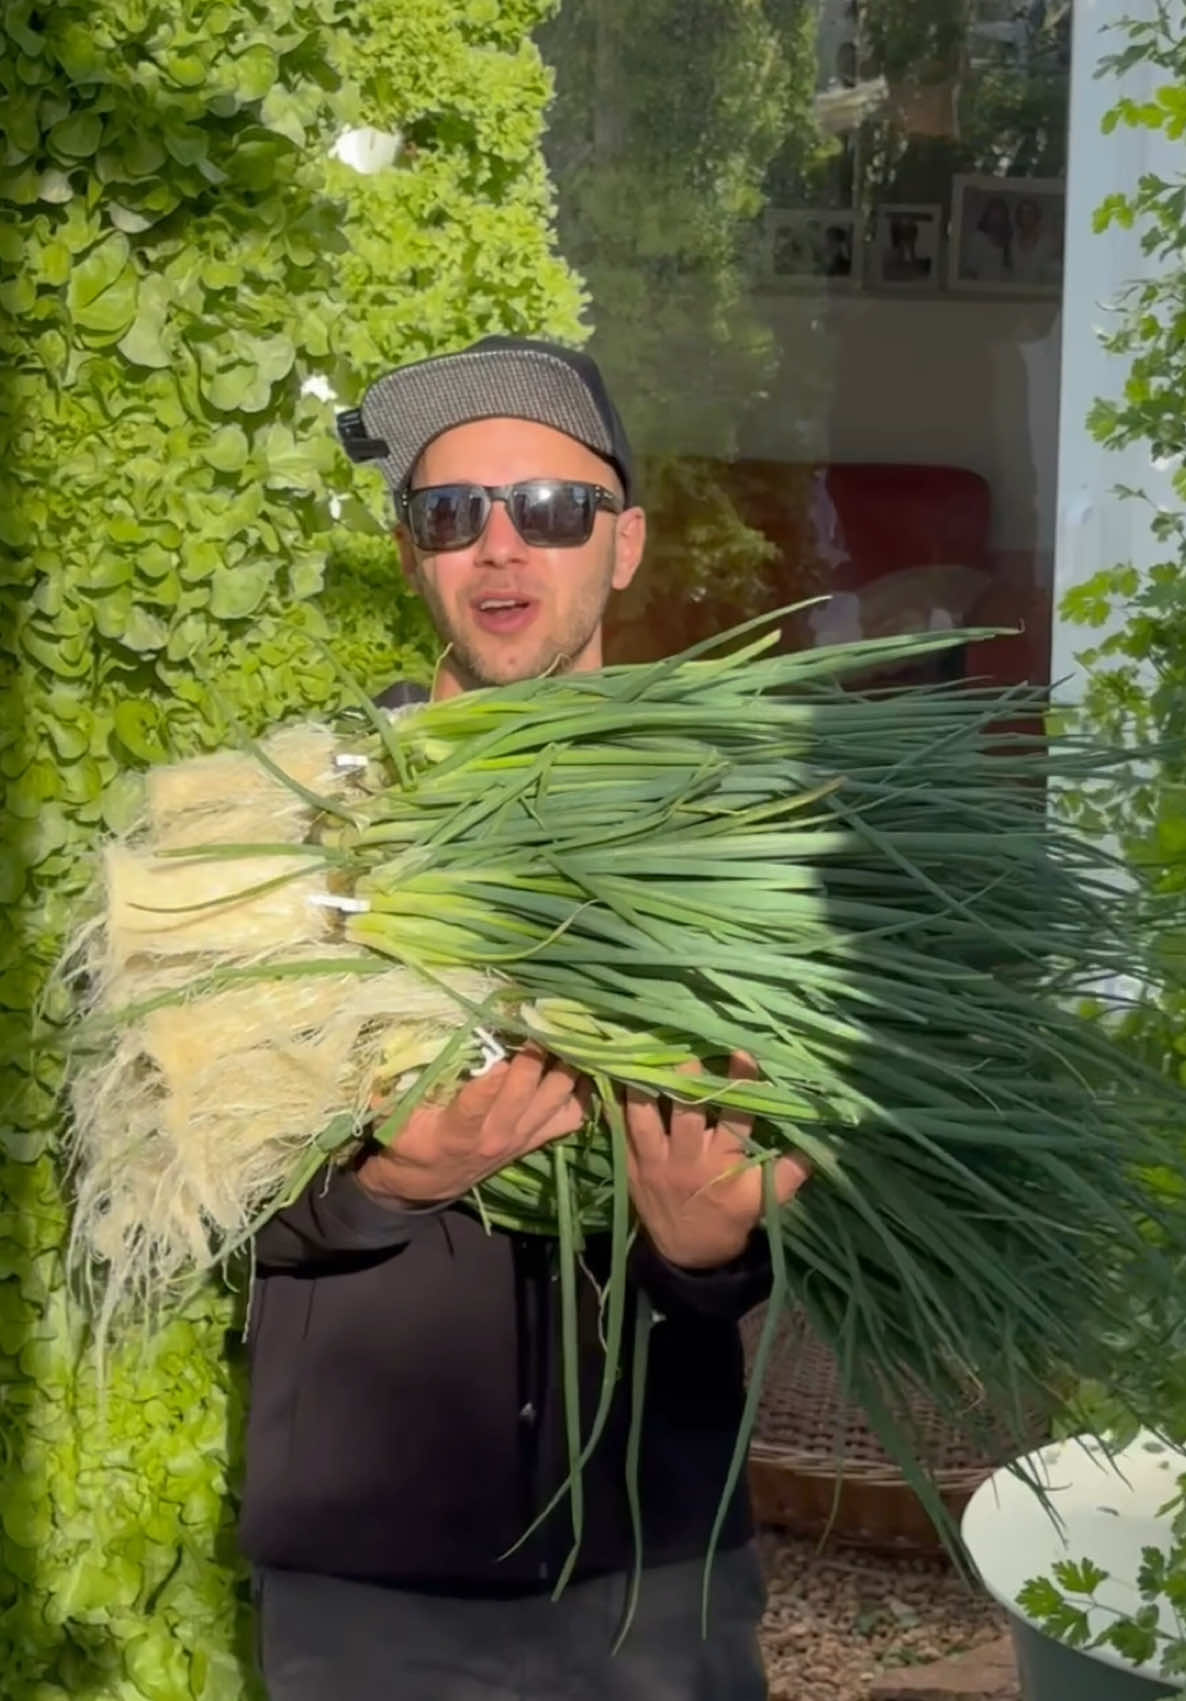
406 1421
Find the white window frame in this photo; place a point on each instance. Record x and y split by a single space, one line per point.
1097 529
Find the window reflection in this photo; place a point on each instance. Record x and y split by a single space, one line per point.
822 243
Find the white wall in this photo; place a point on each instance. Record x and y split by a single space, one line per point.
1096 529
956 381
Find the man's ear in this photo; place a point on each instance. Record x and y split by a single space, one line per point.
407 556
631 541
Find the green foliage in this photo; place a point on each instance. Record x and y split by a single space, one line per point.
178 257
1014 114
953 102
1135 696
914 43
1060 1605
1136 672
667 114
454 240
1058 1616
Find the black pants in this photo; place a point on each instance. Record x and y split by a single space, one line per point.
323 1639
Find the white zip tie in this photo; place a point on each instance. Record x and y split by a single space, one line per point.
492 1052
348 906
346 761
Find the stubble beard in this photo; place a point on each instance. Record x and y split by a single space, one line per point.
553 656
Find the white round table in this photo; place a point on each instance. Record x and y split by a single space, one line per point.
1108 1512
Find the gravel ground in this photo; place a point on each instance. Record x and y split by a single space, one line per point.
836 1620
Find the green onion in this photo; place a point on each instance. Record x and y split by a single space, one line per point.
866 891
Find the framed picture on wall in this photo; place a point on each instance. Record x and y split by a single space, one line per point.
1007 235
905 248
815 248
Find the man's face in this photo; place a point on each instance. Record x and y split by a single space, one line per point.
556 597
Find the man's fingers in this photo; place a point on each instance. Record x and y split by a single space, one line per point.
517 1085
645 1128
739 1124
789 1175
560 1084
688 1120
478 1094
565 1120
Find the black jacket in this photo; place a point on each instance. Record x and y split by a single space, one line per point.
406 1418
406 1422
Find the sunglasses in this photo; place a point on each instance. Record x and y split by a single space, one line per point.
547 513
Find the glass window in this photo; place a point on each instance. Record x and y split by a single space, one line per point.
822 242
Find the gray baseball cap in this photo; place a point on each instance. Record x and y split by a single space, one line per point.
497 378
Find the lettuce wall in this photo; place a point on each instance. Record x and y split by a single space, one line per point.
178 256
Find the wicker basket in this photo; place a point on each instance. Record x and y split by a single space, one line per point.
816 1466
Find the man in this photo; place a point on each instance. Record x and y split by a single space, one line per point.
406 1422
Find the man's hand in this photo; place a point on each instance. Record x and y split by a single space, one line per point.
695 1194
444 1150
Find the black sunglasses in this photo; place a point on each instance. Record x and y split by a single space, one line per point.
547 513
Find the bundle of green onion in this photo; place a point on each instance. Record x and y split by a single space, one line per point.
864 889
